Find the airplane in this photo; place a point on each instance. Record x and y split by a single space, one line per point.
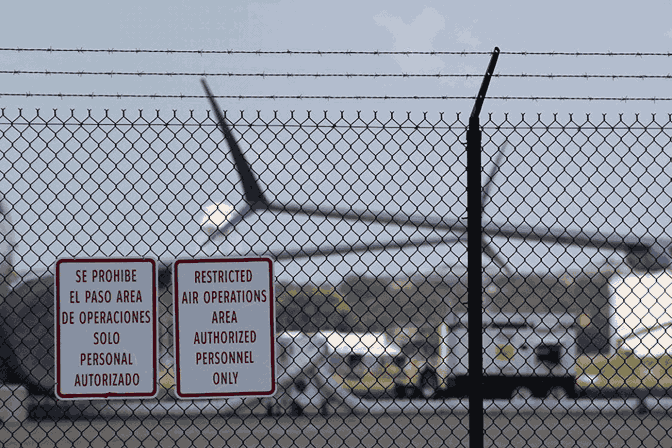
644 253
26 345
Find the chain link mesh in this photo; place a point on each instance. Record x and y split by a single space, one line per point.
372 346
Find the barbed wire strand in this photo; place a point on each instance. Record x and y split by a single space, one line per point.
330 97
331 75
335 52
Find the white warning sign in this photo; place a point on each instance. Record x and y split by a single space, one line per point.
224 317
106 328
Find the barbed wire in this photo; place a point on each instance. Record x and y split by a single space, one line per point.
331 75
335 52
331 97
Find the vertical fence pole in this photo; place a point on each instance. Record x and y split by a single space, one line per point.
475 283
475 263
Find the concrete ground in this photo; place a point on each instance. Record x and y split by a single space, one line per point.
366 430
371 423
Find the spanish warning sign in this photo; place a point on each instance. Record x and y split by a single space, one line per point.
106 328
224 318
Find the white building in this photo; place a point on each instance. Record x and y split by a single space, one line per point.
642 313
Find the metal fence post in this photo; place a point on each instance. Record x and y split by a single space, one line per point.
475 263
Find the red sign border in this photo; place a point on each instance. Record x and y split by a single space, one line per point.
176 333
57 334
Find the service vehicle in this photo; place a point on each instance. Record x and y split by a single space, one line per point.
303 375
363 362
525 355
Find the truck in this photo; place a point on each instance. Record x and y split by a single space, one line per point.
525 355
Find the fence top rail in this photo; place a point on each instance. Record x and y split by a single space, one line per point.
292 119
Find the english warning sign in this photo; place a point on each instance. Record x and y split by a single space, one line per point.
106 328
224 316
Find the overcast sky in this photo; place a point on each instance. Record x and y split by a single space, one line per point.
597 26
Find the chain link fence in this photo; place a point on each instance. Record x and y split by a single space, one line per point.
371 324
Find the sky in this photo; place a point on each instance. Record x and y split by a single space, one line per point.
524 26
598 26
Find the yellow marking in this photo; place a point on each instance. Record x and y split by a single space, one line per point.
584 320
624 369
505 352
167 378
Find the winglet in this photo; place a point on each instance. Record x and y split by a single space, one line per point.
253 195
485 198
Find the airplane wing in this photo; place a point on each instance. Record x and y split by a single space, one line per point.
645 251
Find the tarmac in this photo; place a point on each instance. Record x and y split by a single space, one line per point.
600 422
18 405
583 407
